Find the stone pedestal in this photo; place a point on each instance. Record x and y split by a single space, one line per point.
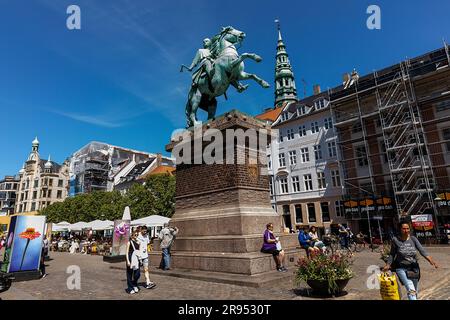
222 209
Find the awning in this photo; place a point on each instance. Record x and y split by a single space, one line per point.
151 221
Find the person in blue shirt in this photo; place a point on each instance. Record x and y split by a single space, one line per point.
305 241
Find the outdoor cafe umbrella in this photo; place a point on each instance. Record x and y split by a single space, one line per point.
78 226
99 225
151 221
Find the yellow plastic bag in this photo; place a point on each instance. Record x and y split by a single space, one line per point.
388 287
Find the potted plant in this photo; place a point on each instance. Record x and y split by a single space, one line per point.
325 274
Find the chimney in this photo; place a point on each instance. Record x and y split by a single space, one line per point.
158 159
316 89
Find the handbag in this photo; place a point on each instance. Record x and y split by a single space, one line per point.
413 272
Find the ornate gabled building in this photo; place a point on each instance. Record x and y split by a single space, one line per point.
42 182
285 90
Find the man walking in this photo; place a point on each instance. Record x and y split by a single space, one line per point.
143 241
167 236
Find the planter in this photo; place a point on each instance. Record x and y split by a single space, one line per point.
321 287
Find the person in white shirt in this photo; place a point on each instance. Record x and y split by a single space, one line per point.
144 241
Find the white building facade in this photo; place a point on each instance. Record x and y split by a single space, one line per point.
306 184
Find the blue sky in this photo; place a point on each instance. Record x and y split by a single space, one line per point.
117 79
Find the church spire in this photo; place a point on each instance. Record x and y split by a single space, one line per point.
285 90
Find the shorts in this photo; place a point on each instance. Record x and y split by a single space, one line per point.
306 246
145 263
274 252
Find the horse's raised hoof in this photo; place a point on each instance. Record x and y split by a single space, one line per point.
264 84
258 58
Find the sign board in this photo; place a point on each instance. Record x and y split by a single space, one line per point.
24 244
423 225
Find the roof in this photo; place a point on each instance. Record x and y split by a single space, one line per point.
56 167
270 115
308 101
163 169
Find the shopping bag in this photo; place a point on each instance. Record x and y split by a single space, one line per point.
388 287
278 246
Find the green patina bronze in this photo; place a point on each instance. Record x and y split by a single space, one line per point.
218 66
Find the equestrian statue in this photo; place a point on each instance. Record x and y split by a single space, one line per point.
218 65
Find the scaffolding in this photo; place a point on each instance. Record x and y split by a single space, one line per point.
388 97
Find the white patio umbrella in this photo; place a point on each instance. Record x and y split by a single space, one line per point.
151 221
78 226
99 225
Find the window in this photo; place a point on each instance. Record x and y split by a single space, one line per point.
311 212
36 183
328 123
284 116
361 156
321 180
302 131
271 185
290 134
284 185
339 208
335 178
49 193
305 154
34 195
33 206
317 152
269 162
292 157
441 106
50 182
8 186
296 184
21 196
332 149
314 127
308 182
282 160
319 104
43 194
446 136
301 110
60 183
325 212
298 213
28 183
280 137
26 195
59 194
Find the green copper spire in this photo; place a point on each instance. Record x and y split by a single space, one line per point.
285 90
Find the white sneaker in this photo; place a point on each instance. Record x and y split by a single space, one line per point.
132 292
136 289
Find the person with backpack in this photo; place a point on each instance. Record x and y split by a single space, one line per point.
403 260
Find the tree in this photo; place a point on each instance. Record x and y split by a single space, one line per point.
162 190
156 196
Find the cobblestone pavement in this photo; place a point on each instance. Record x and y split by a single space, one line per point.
99 281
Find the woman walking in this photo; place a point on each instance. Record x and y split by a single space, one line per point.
133 268
403 260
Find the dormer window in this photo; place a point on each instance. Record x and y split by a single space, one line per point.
321 103
284 116
301 110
